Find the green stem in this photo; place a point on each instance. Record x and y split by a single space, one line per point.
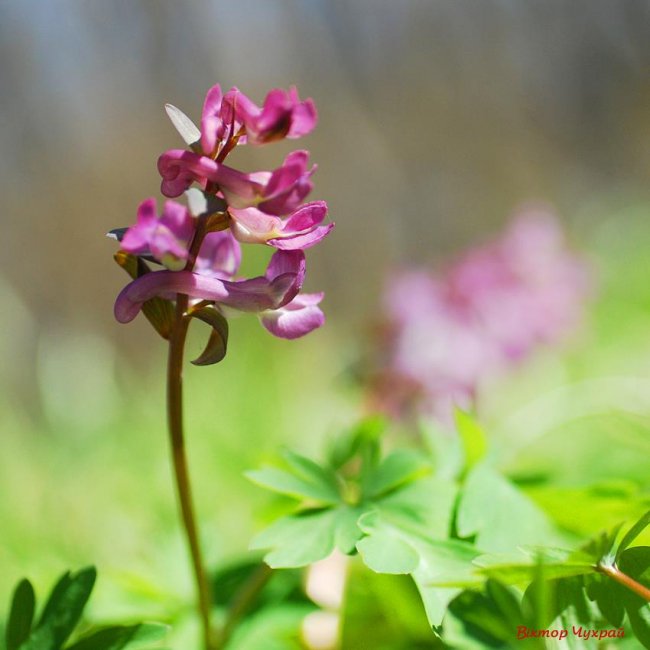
179 458
616 574
245 598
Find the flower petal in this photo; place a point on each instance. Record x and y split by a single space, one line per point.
287 262
211 122
301 241
288 185
281 283
254 295
166 238
305 217
220 255
180 168
252 226
295 319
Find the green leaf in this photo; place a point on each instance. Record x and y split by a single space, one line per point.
608 600
427 505
633 533
382 612
515 568
347 532
298 540
312 472
472 437
21 615
437 566
304 479
158 311
640 622
120 636
62 611
399 467
187 129
635 562
345 447
217 345
505 600
585 509
499 515
485 620
384 550
283 482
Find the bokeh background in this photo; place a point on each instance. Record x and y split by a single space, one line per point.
436 120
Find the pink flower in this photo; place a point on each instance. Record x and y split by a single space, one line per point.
493 308
263 207
282 115
300 230
212 280
233 118
277 193
165 237
219 121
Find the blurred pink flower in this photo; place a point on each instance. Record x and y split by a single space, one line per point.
492 308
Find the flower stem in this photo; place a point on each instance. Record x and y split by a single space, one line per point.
179 458
623 579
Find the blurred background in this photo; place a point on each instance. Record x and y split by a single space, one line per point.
437 119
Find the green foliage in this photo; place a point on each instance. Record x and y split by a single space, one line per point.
121 636
472 437
334 497
498 516
261 607
472 545
61 615
369 613
21 615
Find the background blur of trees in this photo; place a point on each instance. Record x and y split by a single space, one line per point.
437 119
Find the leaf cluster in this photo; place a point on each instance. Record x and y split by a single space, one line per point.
485 558
57 626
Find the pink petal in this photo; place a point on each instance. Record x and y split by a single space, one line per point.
302 241
304 120
211 124
179 220
288 185
295 319
306 216
220 255
254 295
287 262
252 226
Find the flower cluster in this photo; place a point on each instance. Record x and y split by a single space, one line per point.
489 310
199 245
